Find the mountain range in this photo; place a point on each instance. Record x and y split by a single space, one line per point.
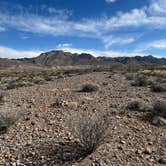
61 58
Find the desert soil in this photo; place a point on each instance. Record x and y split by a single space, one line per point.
34 139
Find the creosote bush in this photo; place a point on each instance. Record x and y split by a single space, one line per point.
159 108
89 88
138 105
1 97
158 87
140 80
90 130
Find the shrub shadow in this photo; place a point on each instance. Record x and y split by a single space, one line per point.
59 153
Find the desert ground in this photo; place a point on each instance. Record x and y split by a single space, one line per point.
41 136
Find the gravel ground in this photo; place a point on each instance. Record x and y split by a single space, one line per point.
40 133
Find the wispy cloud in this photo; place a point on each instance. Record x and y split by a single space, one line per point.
160 44
156 45
6 52
2 29
63 45
60 23
110 1
111 40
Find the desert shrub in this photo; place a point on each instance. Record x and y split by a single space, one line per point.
140 80
89 88
16 84
7 118
129 76
158 87
159 108
138 105
38 80
1 97
90 130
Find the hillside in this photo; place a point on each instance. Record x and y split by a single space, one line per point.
61 58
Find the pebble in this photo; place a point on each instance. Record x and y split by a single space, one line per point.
148 150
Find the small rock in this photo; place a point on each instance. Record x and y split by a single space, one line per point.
148 150
27 118
138 151
33 123
50 123
122 142
159 121
162 161
120 147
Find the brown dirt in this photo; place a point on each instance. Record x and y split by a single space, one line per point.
40 133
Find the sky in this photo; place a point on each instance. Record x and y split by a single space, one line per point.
100 27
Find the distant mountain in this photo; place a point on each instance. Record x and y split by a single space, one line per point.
64 58
61 58
137 59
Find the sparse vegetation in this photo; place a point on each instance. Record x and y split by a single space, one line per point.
89 88
90 130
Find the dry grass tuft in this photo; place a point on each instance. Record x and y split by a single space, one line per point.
7 119
90 130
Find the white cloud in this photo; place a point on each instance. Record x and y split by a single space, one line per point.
100 53
62 45
6 52
111 40
110 1
2 29
157 7
160 44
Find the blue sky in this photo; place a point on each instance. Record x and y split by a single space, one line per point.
100 27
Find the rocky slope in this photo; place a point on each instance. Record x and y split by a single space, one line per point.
38 136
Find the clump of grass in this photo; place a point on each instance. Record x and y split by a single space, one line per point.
7 119
159 108
140 80
89 88
90 130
